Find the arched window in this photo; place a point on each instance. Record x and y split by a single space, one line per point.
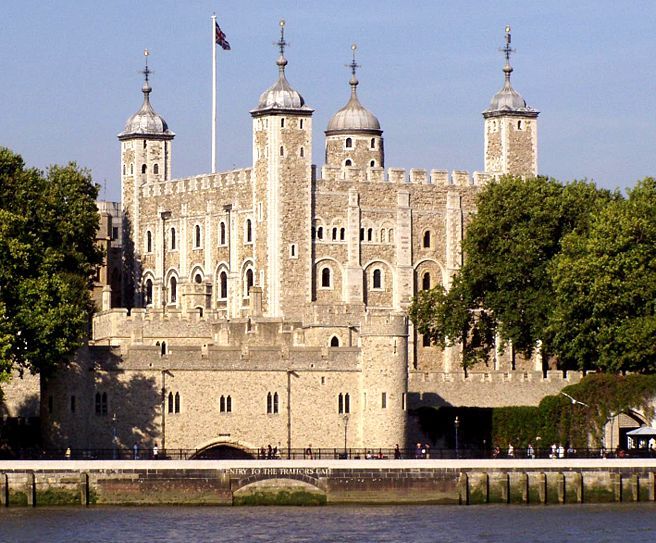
198 278
155 169
162 349
173 290
229 404
340 403
282 122
390 235
427 239
269 403
334 341
334 233
349 145
177 402
275 402
197 236
370 234
347 403
143 168
222 233
348 162
342 234
149 241
372 164
377 279
302 152
325 278
170 402
382 235
173 241
320 232
223 285
426 281
249 231
148 294
372 144
222 404
361 234
248 283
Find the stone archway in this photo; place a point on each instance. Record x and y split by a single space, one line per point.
223 451
278 487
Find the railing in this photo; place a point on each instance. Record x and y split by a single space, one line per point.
229 453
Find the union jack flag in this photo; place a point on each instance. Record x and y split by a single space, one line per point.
221 38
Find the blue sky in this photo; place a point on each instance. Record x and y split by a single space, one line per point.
69 78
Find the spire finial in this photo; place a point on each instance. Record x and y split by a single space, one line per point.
146 71
354 66
507 50
281 43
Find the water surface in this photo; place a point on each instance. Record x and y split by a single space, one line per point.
405 524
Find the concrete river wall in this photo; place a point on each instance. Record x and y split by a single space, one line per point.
34 483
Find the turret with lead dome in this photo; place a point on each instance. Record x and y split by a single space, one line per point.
354 137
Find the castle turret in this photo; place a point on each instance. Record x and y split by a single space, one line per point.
282 159
145 158
511 129
354 137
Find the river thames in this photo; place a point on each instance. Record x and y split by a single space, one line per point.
415 524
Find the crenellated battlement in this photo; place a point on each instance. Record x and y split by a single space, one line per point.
197 183
399 176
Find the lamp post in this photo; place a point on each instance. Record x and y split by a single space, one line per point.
346 419
114 451
289 411
164 374
456 424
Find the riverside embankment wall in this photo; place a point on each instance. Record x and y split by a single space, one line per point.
318 481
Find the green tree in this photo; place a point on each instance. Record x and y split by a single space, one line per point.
48 225
504 288
605 288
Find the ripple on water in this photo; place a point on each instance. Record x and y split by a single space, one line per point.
415 524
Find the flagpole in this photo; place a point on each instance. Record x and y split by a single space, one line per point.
213 93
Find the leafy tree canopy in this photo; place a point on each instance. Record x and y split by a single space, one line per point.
48 225
605 288
504 288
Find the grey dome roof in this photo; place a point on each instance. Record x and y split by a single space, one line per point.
281 96
508 100
146 121
353 117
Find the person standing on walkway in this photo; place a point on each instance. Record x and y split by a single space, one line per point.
530 452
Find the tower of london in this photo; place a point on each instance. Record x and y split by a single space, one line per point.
268 304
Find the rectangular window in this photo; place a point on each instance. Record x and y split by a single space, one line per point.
383 400
72 404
